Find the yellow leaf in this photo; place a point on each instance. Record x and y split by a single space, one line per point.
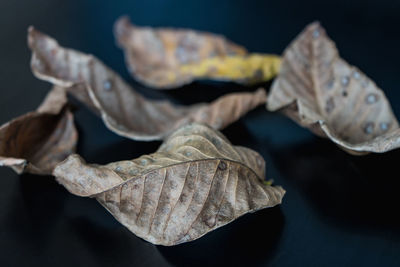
249 69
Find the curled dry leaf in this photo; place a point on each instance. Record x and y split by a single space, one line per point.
124 111
168 58
321 91
196 182
37 141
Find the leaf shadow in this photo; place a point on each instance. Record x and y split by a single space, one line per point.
359 193
208 90
37 206
107 244
239 135
249 240
97 144
121 149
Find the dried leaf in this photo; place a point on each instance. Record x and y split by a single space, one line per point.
167 58
196 182
37 141
321 91
122 109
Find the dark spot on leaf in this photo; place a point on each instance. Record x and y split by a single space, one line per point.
222 166
330 105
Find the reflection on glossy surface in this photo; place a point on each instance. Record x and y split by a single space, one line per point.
357 193
338 210
250 240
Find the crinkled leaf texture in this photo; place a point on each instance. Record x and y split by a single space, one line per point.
37 141
124 111
168 58
321 91
196 182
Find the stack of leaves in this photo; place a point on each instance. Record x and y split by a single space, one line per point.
123 110
315 87
197 180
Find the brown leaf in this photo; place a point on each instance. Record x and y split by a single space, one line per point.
321 91
122 109
37 141
167 58
196 182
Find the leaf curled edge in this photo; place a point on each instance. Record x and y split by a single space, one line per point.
37 141
167 58
321 91
196 182
124 111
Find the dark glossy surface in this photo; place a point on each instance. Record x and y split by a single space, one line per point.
339 210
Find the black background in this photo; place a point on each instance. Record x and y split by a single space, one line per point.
339 210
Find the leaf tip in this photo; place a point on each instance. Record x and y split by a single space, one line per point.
31 28
121 27
260 92
315 29
68 174
31 32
